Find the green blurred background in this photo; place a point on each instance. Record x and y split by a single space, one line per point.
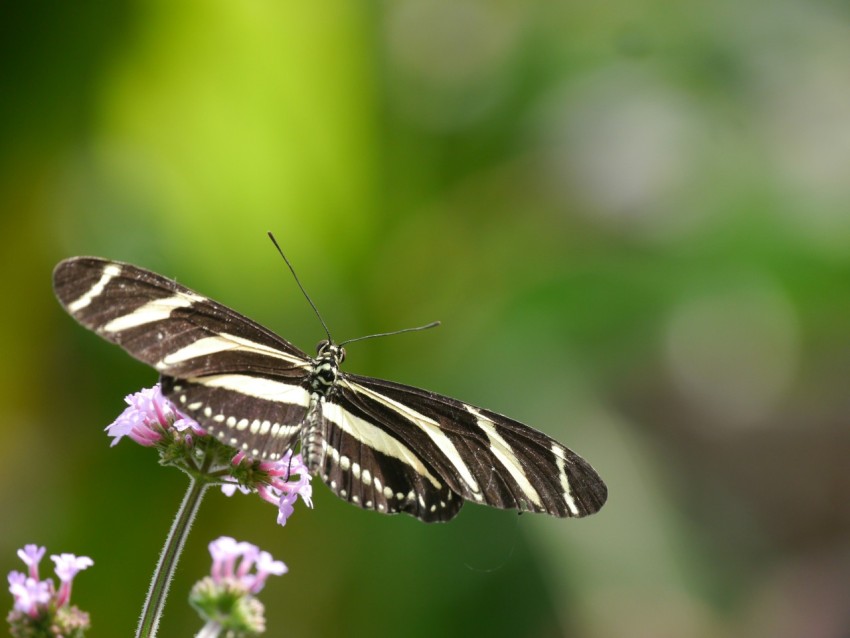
631 218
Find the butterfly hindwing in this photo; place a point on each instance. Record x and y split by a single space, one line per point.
258 415
383 476
482 456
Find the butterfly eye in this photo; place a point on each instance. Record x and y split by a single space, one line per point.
322 346
341 355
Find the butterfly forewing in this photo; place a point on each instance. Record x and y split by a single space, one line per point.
384 446
242 382
167 325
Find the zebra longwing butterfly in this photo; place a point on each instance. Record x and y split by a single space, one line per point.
377 444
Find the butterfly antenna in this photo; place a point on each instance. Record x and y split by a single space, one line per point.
433 324
304 292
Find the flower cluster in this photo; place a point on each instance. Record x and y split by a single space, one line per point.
278 488
38 604
226 599
226 552
152 420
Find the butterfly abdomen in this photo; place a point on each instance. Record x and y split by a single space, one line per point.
312 442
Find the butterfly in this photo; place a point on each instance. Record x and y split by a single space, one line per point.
377 444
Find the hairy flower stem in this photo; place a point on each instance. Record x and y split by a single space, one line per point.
158 591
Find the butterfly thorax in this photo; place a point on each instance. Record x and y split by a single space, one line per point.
325 370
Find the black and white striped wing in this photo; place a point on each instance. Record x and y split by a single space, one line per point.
396 448
367 465
239 380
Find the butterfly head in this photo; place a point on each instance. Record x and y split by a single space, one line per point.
326 350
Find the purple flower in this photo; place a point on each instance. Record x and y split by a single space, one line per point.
266 566
285 491
224 551
32 555
33 596
226 599
68 566
29 593
233 562
149 418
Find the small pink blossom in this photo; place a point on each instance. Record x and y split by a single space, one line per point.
267 566
238 458
68 566
223 551
32 555
29 593
284 492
